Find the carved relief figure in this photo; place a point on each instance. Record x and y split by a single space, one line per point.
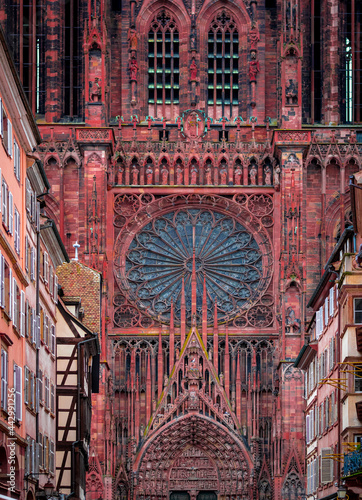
120 175
194 171
268 175
135 173
254 37
292 324
133 68
193 71
253 174
223 176
208 174
238 174
132 39
179 176
254 67
277 176
149 174
164 175
291 92
96 90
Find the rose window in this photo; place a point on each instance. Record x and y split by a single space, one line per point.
228 258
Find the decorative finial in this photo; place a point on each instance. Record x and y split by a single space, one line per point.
76 246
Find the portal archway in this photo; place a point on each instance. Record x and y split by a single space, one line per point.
196 455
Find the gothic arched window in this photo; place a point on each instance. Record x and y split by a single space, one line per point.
223 66
163 64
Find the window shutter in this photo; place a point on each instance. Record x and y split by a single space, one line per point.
51 280
26 385
17 379
4 379
1 117
45 267
37 216
40 379
1 181
10 294
37 331
22 313
326 311
331 302
308 479
40 450
326 466
11 213
52 398
15 305
32 263
307 429
52 342
56 288
10 138
28 195
2 280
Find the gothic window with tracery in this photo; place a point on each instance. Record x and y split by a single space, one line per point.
223 66
163 65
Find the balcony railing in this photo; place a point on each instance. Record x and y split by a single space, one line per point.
352 463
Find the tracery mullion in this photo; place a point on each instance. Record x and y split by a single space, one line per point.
215 70
155 31
162 248
231 65
172 70
173 240
223 71
164 72
212 249
222 277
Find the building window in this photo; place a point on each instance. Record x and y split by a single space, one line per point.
351 69
163 63
358 378
223 66
357 310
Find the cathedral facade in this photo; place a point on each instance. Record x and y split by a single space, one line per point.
199 152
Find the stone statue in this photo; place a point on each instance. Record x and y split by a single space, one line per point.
149 175
291 92
133 68
208 174
135 173
238 175
254 67
194 174
268 175
193 71
164 175
277 176
179 175
96 91
254 37
253 174
132 39
223 176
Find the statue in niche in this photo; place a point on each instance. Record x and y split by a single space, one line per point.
254 37
133 68
164 175
238 174
291 92
194 171
132 39
120 175
179 175
253 174
193 70
268 175
292 324
223 176
277 176
208 175
254 67
193 38
135 173
149 175
96 90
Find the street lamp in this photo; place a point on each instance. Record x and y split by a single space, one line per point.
48 488
342 492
